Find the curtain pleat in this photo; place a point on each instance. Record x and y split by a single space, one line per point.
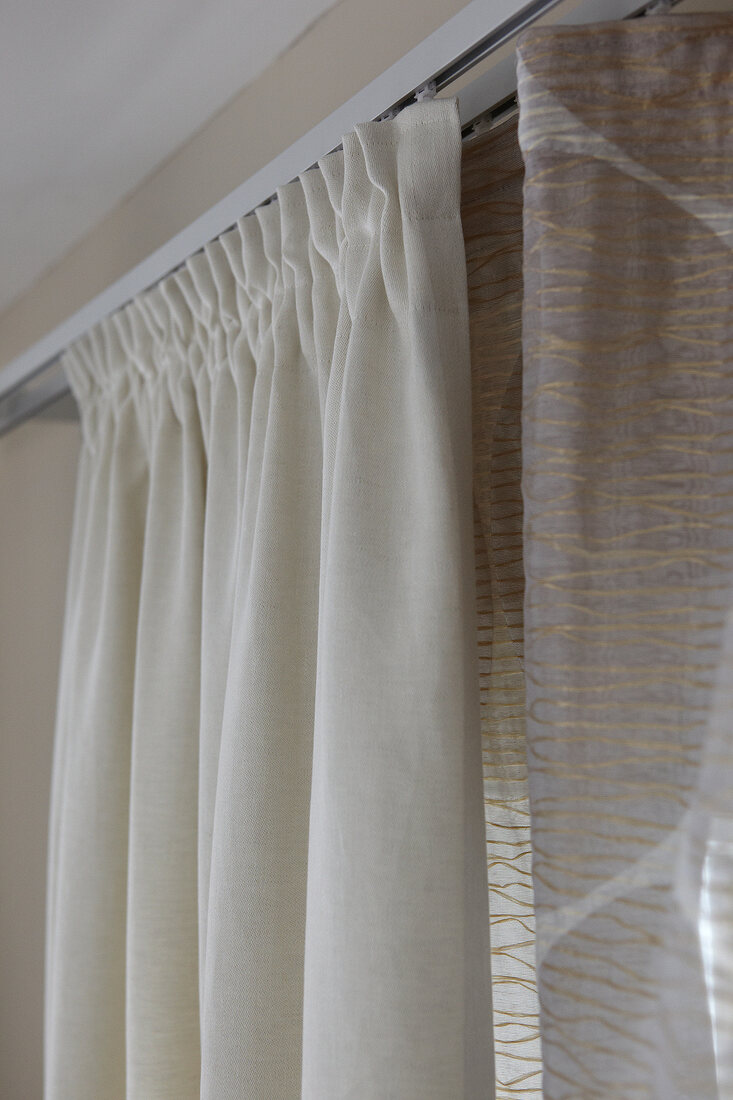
627 136
267 872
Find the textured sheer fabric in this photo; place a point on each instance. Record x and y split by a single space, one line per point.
627 135
267 872
491 208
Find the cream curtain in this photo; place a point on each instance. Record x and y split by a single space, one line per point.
627 136
267 869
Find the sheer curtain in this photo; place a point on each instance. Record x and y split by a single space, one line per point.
627 135
267 873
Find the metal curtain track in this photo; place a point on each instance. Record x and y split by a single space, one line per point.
36 378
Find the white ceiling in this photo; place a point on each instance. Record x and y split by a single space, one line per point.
95 94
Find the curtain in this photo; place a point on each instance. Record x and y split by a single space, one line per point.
491 210
267 864
627 135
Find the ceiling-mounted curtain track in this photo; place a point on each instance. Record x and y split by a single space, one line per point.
35 379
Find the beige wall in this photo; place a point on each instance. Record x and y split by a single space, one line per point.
37 474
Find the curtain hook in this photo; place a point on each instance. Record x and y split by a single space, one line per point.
427 91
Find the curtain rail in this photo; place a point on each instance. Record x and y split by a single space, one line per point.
35 378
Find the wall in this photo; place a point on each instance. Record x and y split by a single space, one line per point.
37 474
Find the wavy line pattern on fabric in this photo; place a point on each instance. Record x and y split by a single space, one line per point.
491 208
627 136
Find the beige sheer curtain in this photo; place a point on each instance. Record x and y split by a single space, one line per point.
627 135
267 873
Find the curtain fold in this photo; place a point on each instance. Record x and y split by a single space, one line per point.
491 210
267 872
627 136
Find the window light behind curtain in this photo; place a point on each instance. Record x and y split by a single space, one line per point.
268 876
491 210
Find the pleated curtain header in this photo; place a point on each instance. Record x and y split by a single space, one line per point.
349 222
